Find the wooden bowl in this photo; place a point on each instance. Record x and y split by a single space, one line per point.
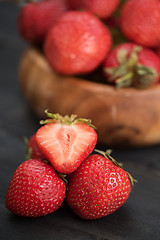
123 117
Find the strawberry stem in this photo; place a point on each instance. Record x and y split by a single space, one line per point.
132 180
129 72
28 153
63 177
54 118
108 156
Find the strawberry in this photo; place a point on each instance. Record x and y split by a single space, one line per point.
66 141
35 19
35 189
131 65
77 43
140 22
102 8
33 150
98 187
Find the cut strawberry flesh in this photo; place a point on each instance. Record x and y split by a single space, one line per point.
66 145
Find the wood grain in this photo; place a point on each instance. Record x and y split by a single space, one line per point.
123 117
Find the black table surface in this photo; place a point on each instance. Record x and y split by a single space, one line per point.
138 218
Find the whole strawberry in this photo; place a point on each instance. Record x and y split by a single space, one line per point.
131 65
102 8
35 189
66 141
77 43
98 187
35 19
140 22
33 150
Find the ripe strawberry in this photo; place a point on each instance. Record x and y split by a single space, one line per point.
33 151
35 19
131 65
66 141
140 22
98 187
35 189
77 43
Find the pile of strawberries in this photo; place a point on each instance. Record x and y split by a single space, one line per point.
61 164
77 37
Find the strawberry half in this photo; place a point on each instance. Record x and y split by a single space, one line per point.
35 189
98 187
66 141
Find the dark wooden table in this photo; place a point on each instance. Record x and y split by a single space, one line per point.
138 219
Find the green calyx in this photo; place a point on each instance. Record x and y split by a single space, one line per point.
28 153
130 72
68 120
107 155
63 177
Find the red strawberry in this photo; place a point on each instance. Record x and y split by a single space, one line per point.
132 65
35 189
66 141
35 19
140 22
33 150
77 43
98 187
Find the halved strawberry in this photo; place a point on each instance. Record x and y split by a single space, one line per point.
66 141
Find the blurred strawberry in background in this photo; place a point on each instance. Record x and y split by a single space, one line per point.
131 65
140 22
35 19
77 43
76 37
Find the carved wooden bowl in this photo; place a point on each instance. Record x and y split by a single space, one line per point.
123 117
